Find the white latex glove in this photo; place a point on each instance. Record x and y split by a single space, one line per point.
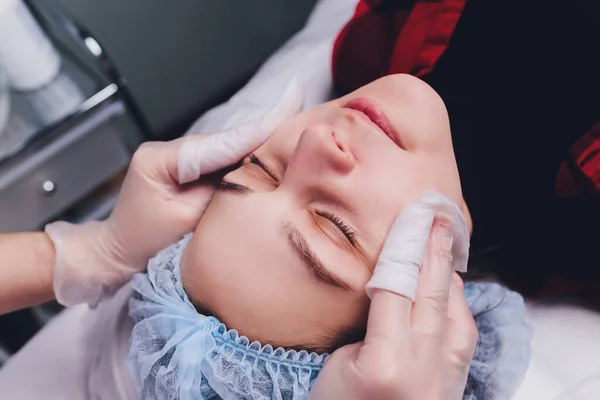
163 197
419 351
401 258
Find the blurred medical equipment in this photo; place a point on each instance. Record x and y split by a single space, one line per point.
25 52
64 139
59 142
56 100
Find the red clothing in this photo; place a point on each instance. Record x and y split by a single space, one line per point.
387 37
520 79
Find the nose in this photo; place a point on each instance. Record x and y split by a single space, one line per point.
322 150
321 158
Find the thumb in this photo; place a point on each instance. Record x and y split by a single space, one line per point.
203 154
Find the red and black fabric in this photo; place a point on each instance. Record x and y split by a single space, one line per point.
521 81
393 36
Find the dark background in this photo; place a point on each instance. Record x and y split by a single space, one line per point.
182 57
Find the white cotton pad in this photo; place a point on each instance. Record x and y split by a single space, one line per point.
401 258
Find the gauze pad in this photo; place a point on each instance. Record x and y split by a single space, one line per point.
401 258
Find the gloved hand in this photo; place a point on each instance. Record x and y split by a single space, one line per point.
164 194
401 258
411 351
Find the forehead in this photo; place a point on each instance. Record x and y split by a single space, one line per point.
247 272
255 225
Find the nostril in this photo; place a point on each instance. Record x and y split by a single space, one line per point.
338 142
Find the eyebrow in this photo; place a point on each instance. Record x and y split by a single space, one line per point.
311 260
232 187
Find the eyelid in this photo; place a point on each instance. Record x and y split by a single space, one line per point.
342 226
257 161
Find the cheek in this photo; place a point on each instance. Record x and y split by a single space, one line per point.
400 178
442 173
388 190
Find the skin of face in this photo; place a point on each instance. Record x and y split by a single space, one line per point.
338 184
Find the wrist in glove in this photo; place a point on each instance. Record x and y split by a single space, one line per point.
87 268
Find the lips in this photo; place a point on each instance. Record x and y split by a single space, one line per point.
376 115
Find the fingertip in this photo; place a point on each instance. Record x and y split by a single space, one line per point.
293 96
449 210
458 281
441 240
188 166
457 305
289 104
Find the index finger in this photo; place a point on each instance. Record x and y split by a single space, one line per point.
389 317
431 304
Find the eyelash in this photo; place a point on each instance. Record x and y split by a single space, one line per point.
256 161
346 230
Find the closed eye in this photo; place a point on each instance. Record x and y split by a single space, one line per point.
257 161
341 225
236 188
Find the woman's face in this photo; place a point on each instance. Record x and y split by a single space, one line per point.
289 241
